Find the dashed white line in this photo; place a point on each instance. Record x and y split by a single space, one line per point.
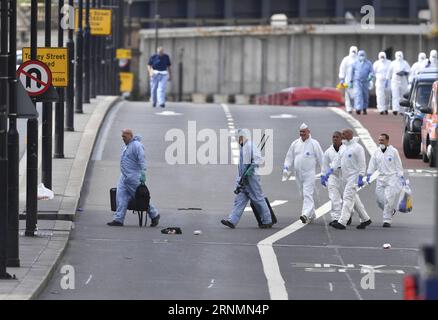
211 284
331 287
89 279
393 288
233 143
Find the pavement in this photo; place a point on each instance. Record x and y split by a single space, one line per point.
391 124
40 254
289 261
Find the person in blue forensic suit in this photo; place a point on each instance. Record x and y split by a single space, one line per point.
159 73
250 160
133 172
362 74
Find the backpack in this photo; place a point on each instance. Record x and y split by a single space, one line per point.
141 199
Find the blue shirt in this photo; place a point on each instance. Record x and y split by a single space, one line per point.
158 62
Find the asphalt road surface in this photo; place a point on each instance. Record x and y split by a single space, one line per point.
315 262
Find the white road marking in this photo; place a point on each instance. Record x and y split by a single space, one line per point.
276 284
211 284
276 203
233 143
168 113
331 287
393 288
102 138
283 116
89 279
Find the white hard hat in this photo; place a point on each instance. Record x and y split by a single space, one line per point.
303 126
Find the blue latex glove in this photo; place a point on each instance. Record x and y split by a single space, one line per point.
351 85
329 172
386 83
369 178
370 77
143 177
341 81
403 181
360 181
324 180
250 171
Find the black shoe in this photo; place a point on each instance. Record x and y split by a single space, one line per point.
304 219
386 112
350 112
331 223
154 105
115 223
154 221
365 111
395 113
337 225
162 105
394 211
357 111
349 222
363 225
265 226
228 224
382 113
386 225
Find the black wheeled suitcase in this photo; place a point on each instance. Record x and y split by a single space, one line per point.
257 214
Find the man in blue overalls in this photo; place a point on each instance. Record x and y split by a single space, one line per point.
250 158
159 72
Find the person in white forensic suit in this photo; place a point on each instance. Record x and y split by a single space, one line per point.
417 67
432 62
398 73
383 92
303 156
344 76
387 161
352 163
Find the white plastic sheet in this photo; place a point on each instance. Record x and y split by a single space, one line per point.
44 193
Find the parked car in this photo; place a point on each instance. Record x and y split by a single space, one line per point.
429 129
417 98
305 96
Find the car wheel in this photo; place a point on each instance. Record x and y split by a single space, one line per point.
409 151
432 158
424 156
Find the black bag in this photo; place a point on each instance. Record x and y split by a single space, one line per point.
142 198
257 214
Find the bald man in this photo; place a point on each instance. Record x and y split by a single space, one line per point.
133 172
352 162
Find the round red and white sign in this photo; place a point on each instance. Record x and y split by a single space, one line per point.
35 77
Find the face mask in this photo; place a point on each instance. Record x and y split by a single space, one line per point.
344 141
361 58
382 146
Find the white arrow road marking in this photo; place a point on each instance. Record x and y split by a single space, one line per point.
276 203
168 113
89 279
211 284
283 116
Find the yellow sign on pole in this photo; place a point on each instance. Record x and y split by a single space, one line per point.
124 54
57 61
100 21
126 81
